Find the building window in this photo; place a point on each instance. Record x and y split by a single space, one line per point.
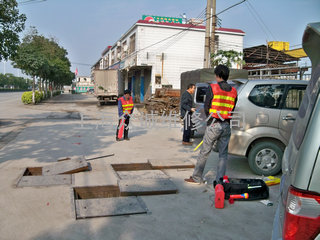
118 53
216 42
124 49
112 57
158 79
133 43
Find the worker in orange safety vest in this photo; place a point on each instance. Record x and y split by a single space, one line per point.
221 99
125 109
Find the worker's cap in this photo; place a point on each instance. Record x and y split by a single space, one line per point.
127 91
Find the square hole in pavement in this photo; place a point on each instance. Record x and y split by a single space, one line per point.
132 166
105 201
96 192
33 171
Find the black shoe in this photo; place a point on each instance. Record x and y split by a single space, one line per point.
128 139
118 139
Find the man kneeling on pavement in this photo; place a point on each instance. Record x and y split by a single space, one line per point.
220 101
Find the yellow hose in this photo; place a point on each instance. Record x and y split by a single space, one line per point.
198 146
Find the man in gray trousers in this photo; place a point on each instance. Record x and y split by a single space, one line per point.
220 101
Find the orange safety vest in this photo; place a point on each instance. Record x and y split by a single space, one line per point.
127 105
222 102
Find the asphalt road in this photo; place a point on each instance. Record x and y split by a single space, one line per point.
40 134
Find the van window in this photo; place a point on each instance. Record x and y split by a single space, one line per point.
294 97
268 95
306 108
201 93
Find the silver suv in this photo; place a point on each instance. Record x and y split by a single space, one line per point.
298 212
262 120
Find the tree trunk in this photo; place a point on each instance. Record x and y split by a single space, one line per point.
33 90
40 85
46 81
51 84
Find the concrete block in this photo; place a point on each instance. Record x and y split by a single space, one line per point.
170 163
142 174
102 207
96 178
66 167
35 181
146 187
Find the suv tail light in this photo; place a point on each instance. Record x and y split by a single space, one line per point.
302 217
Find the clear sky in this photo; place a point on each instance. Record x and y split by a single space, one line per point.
86 27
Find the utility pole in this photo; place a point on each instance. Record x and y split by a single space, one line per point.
210 32
213 29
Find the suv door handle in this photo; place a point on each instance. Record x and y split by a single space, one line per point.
287 118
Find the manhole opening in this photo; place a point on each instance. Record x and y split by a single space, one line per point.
33 171
132 166
96 192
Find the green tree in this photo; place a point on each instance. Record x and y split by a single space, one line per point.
9 79
11 24
227 58
41 57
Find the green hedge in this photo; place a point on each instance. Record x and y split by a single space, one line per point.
55 93
26 97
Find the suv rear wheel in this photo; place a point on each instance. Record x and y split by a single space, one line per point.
265 158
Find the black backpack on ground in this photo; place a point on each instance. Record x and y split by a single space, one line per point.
256 188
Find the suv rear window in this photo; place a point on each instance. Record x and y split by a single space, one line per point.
267 95
201 93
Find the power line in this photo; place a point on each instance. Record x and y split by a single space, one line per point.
202 14
85 64
230 7
27 2
259 20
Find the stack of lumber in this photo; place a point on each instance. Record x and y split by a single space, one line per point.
163 101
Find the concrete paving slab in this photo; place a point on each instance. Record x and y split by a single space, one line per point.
146 187
96 178
142 174
100 165
36 181
104 207
65 167
170 163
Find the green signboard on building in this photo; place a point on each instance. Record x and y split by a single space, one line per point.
161 19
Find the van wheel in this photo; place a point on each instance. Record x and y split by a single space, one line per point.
265 158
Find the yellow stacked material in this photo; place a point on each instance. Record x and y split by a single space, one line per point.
297 53
280 46
271 180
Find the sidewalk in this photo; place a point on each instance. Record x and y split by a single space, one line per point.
46 212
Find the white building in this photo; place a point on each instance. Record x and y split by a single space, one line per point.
83 84
151 55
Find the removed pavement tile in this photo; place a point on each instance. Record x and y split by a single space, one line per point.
170 163
35 181
66 167
147 187
103 207
141 174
